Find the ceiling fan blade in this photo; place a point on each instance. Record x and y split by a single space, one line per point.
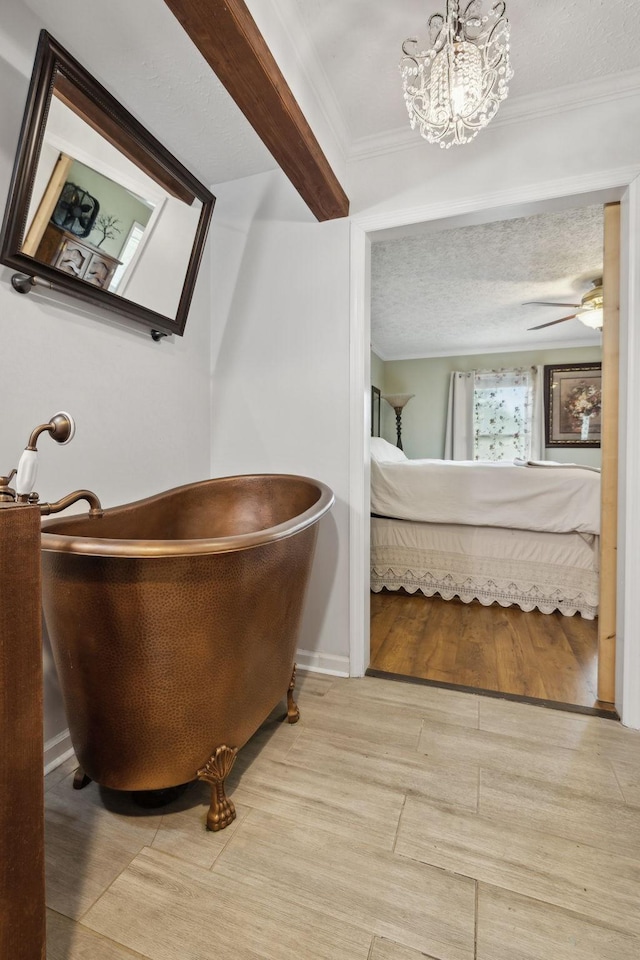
549 303
552 322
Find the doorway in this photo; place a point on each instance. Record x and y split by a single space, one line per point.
498 649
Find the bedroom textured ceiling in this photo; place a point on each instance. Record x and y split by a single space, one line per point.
461 290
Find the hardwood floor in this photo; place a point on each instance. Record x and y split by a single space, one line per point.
502 649
393 822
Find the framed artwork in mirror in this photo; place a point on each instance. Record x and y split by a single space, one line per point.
87 176
573 404
375 412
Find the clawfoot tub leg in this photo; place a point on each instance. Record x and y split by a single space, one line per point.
293 714
215 771
80 779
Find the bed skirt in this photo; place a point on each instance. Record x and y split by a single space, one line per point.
528 569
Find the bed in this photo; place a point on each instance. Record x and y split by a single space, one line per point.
515 533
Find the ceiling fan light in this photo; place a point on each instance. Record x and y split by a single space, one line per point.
592 318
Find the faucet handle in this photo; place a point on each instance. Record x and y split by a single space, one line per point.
27 472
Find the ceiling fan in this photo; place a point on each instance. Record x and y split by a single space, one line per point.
588 311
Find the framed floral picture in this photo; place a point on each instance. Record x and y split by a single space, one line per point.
573 404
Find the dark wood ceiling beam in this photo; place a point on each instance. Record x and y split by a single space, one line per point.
227 36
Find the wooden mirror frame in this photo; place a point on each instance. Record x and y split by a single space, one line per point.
103 112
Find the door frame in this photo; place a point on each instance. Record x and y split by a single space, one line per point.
621 185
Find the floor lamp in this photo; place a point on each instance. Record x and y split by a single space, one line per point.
398 401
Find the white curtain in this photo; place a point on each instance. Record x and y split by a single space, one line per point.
495 415
537 430
458 442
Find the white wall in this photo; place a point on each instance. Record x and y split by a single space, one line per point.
157 278
280 360
142 408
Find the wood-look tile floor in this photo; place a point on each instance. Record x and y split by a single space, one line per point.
536 655
393 822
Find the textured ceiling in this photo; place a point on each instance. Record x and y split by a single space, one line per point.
462 290
139 51
552 45
349 50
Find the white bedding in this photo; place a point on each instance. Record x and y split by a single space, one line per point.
527 568
557 499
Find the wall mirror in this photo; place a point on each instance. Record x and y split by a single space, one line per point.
97 206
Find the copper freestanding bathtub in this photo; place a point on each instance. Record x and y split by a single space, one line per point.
173 623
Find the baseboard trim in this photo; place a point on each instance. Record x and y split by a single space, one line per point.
57 750
328 663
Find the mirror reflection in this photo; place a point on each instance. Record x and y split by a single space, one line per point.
97 206
94 212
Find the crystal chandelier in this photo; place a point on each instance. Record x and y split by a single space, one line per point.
454 89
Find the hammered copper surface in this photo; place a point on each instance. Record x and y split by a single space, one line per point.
22 908
164 658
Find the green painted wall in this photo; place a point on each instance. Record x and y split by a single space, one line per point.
377 371
115 201
424 417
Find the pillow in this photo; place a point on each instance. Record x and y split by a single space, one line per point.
383 452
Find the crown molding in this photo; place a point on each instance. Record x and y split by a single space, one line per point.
548 103
380 354
524 347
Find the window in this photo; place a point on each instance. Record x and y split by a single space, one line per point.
129 247
503 414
